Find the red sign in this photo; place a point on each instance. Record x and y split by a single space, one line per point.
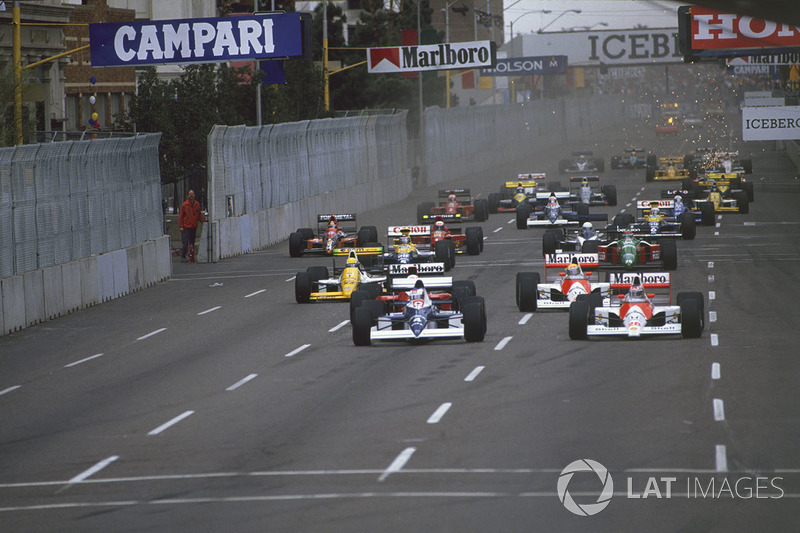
713 30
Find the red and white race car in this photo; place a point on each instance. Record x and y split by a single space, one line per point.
565 282
637 313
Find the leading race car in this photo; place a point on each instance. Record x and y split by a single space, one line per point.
557 293
342 285
454 205
636 314
330 236
581 162
415 314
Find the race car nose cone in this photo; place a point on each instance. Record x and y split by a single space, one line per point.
417 325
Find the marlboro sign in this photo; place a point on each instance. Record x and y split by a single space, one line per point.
444 56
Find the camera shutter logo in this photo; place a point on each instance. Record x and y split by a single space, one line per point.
587 509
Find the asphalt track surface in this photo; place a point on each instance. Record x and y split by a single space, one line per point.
214 402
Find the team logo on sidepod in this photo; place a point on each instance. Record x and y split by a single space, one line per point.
586 509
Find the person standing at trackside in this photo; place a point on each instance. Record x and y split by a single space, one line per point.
188 219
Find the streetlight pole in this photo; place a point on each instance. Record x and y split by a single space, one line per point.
558 17
325 74
17 43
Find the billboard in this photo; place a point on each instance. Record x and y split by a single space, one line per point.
771 123
445 56
714 30
204 40
527 66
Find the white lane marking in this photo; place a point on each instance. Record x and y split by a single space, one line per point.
511 221
254 293
749 224
502 343
712 316
291 279
241 382
716 234
439 413
712 295
524 320
297 350
622 210
398 463
93 470
717 225
6 391
156 332
714 339
627 205
167 425
95 356
209 310
711 264
721 458
641 190
711 278
498 229
474 374
339 326
716 371
719 217
719 410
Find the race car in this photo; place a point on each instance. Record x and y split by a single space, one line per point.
728 183
665 168
632 158
557 293
445 242
636 312
554 214
584 189
331 236
705 160
417 313
658 219
583 161
584 239
342 285
454 205
704 204
669 126
527 188
630 252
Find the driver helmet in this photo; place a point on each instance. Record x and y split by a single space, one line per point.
636 293
332 222
678 199
439 224
628 234
352 261
520 188
553 201
417 293
452 197
584 182
587 225
573 271
404 239
653 211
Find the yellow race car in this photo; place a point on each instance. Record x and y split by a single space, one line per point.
315 285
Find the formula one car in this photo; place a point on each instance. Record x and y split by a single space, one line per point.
665 168
454 205
706 160
331 236
528 188
669 126
554 214
632 158
585 190
417 314
631 252
705 204
582 162
657 219
559 293
573 239
342 285
445 242
728 183
637 314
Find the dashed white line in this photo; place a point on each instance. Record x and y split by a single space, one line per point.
627 205
511 221
209 310
398 463
716 234
95 356
712 316
719 410
524 319
712 295
93 470
254 293
439 413
241 382
498 229
6 391
714 339
502 343
156 332
717 225
716 371
297 350
167 425
291 279
474 374
711 278
641 190
711 264
721 458
338 326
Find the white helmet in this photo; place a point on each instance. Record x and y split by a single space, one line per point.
587 225
654 212
678 199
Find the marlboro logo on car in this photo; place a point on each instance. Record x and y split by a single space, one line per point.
445 56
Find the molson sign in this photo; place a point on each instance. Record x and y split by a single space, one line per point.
712 30
431 57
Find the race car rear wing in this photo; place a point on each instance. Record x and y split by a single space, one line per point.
444 193
433 282
414 268
579 179
413 231
533 177
657 282
647 205
322 219
560 260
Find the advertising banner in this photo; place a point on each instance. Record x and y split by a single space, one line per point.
787 58
527 66
771 123
713 30
444 56
205 40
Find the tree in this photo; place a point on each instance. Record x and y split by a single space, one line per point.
8 133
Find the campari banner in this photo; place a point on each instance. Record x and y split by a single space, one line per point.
474 54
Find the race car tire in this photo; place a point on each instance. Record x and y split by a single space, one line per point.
615 164
594 300
735 183
493 203
481 210
444 252
451 250
357 297
578 320
610 191
307 233
582 209
527 289
480 232
373 290
302 287
296 244
373 233
669 254
747 187
473 237
369 260
376 307
741 202
688 226
563 166
691 319
600 164
423 209
623 220
317 272
363 237
549 242
747 166
649 174
362 323
707 213
652 161
462 289
523 212
693 295
589 247
474 311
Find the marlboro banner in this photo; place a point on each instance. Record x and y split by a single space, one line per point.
431 57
